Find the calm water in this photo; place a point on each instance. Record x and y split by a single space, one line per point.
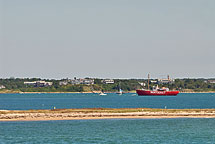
48 101
109 131
113 131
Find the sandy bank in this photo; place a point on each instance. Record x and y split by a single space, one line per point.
77 114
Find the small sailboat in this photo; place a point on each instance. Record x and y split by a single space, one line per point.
102 93
120 92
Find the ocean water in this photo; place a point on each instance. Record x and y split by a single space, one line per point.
60 101
110 131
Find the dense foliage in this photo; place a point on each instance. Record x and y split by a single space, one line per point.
17 84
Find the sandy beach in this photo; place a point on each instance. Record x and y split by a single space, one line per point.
78 114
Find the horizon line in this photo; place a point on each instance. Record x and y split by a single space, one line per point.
104 78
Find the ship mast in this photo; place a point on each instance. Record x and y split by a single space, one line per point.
148 81
168 78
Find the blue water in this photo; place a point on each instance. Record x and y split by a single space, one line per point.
124 131
49 101
110 131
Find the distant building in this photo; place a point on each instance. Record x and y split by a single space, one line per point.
165 81
2 87
76 81
107 81
39 83
154 81
87 81
211 81
63 83
142 84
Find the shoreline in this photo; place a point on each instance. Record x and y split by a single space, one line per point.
96 92
103 113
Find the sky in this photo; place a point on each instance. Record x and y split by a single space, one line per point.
107 38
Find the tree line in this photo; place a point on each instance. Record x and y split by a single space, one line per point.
127 85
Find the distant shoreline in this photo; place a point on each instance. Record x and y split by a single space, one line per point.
96 92
41 92
83 92
103 113
199 92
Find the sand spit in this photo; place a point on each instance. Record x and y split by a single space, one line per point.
102 113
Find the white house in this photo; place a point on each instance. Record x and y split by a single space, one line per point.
2 87
39 83
107 81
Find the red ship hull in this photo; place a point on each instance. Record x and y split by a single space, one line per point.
157 93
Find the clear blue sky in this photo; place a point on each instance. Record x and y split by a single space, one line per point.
107 38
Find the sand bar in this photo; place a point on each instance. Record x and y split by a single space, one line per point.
103 113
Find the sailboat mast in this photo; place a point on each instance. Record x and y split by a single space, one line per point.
148 81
